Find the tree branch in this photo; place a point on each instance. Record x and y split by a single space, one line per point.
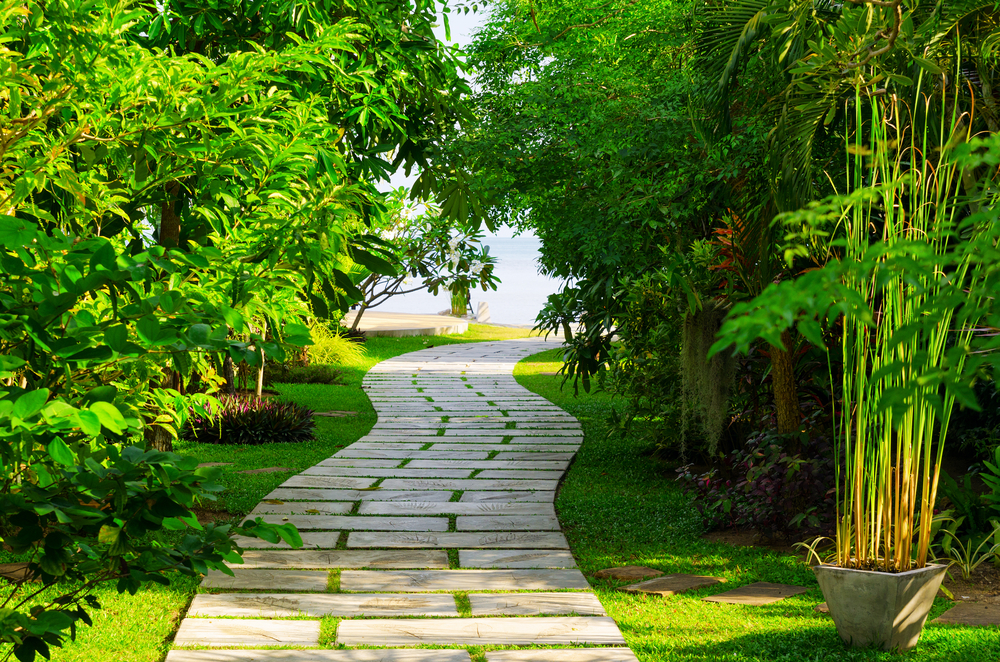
598 21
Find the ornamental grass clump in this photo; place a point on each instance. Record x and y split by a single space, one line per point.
250 420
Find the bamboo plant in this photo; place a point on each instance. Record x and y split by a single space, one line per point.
893 420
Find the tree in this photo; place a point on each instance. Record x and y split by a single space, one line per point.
430 252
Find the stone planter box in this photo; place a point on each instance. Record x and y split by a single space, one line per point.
879 608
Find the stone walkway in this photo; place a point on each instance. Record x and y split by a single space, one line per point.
442 522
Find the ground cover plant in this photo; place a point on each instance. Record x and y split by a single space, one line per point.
137 628
620 507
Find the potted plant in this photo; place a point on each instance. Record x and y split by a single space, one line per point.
902 278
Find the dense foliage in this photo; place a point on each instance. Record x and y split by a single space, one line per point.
242 419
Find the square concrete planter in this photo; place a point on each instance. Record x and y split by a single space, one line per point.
879 608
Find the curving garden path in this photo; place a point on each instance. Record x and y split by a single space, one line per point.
436 529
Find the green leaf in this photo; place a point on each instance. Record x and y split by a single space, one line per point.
89 422
108 534
149 329
60 452
30 403
929 66
109 416
116 337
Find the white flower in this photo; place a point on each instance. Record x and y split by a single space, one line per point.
476 268
453 243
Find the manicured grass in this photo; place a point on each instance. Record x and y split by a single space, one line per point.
619 506
138 628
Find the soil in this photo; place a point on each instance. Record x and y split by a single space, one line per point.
213 516
983 585
751 538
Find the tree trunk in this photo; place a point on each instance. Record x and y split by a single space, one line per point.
229 372
260 370
786 398
170 222
158 439
357 316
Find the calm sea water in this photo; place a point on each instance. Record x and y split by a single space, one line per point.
519 296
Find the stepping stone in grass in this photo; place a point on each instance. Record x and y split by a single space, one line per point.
534 604
528 558
971 613
560 655
215 464
335 413
246 632
506 523
281 580
628 572
454 508
271 605
417 581
266 470
355 523
756 594
337 482
275 655
674 584
314 540
308 494
546 496
480 631
343 558
822 608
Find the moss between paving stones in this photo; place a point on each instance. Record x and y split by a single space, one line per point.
619 507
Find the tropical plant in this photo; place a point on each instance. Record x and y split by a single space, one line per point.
964 552
250 420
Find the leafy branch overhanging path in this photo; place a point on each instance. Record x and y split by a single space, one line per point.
441 524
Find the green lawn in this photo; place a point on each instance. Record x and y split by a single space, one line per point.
136 628
619 506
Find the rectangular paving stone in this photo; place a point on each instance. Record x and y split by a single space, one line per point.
355 523
554 436
361 462
424 455
341 558
277 580
499 539
563 655
534 604
532 455
509 523
756 594
527 558
495 445
481 631
419 581
378 494
488 464
274 605
315 655
301 508
405 472
338 482
454 508
467 484
218 632
310 540
518 474
501 497
387 445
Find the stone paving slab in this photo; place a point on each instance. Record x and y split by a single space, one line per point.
359 462
562 655
271 605
673 584
971 613
488 464
314 655
419 581
757 594
534 455
528 558
405 455
534 604
216 632
511 496
481 631
510 523
341 558
404 472
516 474
454 508
468 484
355 523
301 508
378 494
343 483
388 446
310 540
500 540
279 580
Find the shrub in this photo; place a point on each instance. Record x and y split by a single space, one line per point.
333 348
251 420
765 487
